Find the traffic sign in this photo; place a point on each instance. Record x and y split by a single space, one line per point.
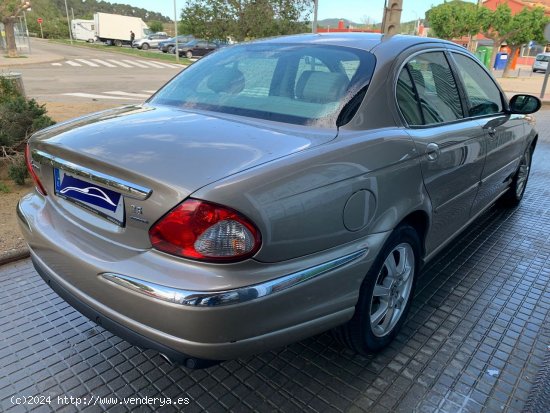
40 20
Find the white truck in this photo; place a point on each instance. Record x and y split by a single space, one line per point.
115 29
83 30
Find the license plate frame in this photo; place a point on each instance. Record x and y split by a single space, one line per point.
90 196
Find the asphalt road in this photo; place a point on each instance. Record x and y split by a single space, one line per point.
94 75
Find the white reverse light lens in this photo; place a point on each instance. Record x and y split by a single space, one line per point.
225 239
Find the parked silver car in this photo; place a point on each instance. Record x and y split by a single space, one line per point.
541 62
274 190
151 41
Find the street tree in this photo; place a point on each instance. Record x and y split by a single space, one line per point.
498 25
9 10
244 19
453 19
155 26
528 25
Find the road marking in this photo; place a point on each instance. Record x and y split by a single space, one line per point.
86 62
149 91
56 64
136 95
102 62
152 64
116 62
89 95
133 62
71 63
169 65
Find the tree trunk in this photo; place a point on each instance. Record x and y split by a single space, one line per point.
508 67
2 47
9 24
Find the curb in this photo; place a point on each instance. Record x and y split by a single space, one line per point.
14 255
31 62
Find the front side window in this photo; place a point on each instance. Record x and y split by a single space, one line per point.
435 87
483 95
300 84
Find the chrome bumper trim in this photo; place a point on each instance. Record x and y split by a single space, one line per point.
235 296
128 189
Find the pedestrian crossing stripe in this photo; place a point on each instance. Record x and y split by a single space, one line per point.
114 95
111 63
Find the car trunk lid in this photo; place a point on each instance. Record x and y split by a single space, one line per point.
154 158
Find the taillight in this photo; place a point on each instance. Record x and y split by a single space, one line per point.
205 231
28 161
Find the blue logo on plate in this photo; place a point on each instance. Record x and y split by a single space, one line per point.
74 188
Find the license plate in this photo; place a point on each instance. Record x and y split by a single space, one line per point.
90 196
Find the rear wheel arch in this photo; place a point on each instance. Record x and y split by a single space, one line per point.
420 221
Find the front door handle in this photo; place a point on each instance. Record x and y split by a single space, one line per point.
492 132
432 151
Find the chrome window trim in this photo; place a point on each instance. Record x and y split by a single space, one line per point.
227 297
128 189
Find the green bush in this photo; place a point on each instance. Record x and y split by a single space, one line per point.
18 172
4 188
19 118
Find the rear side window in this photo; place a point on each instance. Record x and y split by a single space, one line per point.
436 90
407 99
483 96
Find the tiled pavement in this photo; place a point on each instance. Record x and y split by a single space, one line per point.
475 339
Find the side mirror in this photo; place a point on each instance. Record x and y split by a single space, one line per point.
524 104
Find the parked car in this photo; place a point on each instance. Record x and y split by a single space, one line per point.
541 62
274 190
168 45
197 48
151 41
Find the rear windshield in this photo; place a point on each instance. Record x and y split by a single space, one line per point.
543 58
300 84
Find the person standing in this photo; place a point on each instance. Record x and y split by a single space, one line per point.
132 37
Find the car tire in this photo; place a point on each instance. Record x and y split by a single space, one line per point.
170 49
145 46
370 329
515 193
534 71
189 54
118 43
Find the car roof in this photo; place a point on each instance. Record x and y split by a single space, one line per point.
364 41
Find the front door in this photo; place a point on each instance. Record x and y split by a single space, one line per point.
503 133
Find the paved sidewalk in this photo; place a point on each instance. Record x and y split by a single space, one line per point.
477 335
37 56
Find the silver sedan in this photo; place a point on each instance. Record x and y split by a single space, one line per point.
274 190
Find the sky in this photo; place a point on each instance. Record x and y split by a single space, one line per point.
355 10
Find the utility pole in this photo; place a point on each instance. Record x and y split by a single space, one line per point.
392 17
68 22
176 31
314 23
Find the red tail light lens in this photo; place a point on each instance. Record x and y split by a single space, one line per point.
28 161
205 231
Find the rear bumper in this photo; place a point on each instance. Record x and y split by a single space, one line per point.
71 261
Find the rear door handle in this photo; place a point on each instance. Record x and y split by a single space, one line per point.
432 151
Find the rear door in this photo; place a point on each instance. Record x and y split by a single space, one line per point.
450 145
503 133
